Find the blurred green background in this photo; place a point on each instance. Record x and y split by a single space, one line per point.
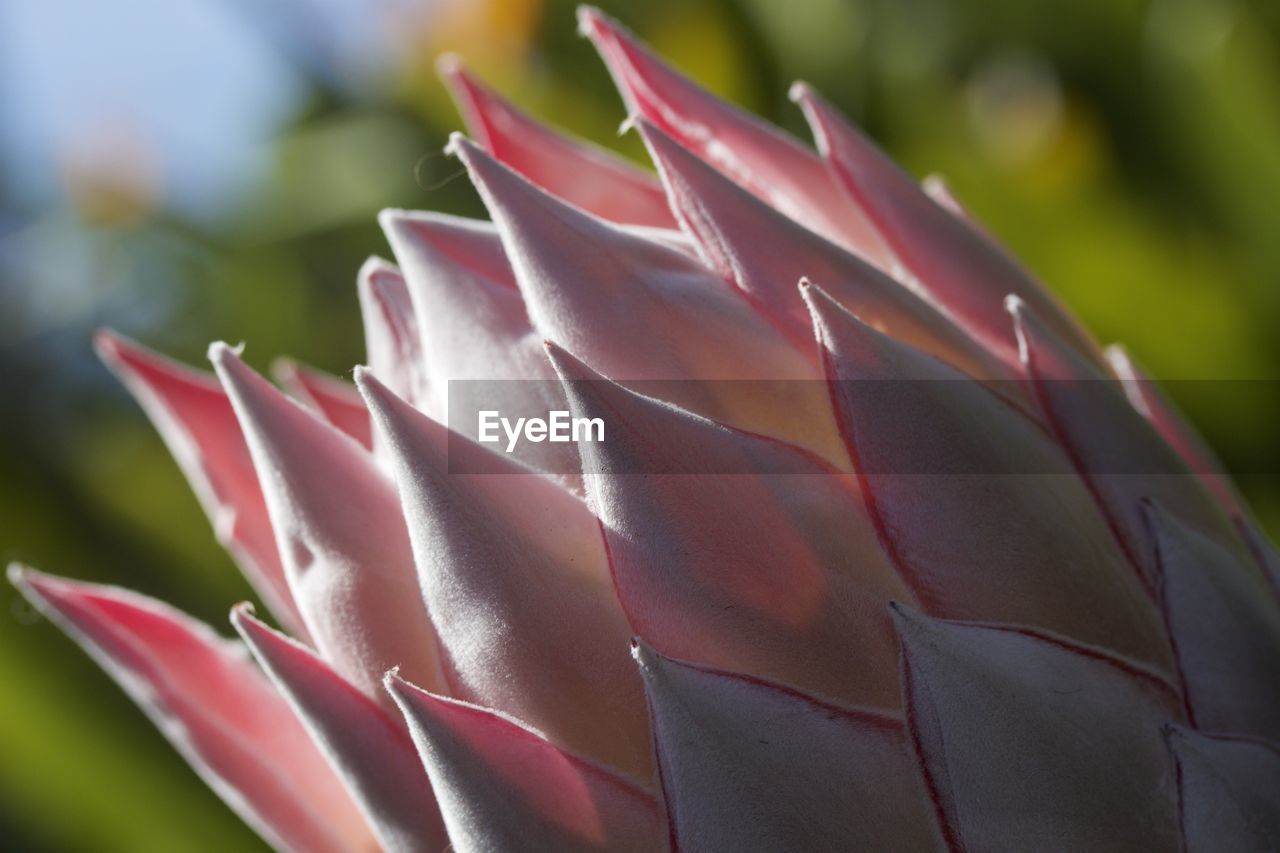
210 169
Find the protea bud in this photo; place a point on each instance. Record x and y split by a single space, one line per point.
876 550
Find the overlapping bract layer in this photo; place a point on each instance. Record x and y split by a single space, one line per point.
939 618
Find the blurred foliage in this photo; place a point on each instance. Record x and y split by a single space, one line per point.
1128 151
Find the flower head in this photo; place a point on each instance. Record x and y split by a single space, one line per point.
878 550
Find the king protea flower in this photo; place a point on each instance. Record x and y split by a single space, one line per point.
858 565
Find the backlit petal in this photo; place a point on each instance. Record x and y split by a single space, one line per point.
215 707
772 165
575 170
340 533
371 748
964 272
194 417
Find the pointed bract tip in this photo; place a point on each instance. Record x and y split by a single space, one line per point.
814 293
108 343
1015 306
478 161
461 147
375 265
17 574
648 130
1022 317
935 187
822 307
591 21
482 166
122 354
394 684
243 613
552 349
1119 357
568 366
820 115
801 92
665 151
378 398
475 101
284 369
264 642
42 589
813 300
222 354
390 218
644 654
1174 734
450 67
393 418
906 620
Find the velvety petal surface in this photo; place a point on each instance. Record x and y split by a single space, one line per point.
577 171
503 787
340 532
1225 627
482 352
517 584
640 310
747 765
195 418
1228 792
761 158
936 187
371 749
736 550
215 707
979 508
1029 742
